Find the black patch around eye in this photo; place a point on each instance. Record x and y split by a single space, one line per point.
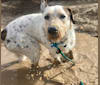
62 16
47 17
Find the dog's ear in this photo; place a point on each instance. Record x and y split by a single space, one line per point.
43 5
71 16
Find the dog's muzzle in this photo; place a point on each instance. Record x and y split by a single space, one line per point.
53 31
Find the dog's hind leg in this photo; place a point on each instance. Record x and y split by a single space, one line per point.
24 45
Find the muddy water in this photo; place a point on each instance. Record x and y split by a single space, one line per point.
14 75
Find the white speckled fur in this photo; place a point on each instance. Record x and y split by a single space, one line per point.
27 32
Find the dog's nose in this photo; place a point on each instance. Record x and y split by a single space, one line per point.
52 30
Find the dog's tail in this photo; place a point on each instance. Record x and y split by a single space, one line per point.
3 34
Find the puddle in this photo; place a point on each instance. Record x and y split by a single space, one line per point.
19 75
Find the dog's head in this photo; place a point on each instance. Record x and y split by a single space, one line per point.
57 19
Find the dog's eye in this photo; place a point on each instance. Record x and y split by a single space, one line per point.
47 17
62 16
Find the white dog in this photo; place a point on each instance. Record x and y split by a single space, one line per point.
53 25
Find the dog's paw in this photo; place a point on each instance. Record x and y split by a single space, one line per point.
34 71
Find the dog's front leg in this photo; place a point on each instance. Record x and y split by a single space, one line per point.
34 70
56 57
34 55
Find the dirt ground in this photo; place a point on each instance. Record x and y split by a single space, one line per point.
85 52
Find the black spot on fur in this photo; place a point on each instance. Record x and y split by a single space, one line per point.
65 45
4 34
26 46
30 19
18 45
14 41
8 41
20 26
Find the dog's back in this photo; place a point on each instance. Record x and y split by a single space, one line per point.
24 24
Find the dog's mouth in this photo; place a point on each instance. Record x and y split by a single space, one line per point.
54 37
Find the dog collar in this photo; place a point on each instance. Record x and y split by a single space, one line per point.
59 51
